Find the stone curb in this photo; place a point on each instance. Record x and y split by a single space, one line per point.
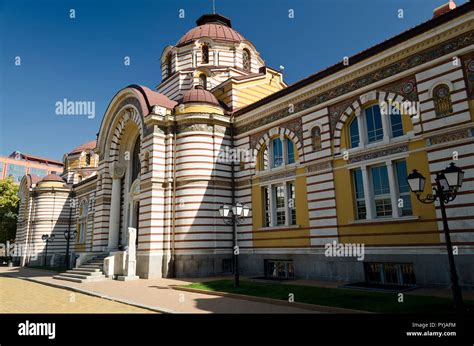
96 294
307 306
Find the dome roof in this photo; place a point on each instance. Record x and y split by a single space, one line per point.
198 94
52 177
214 26
85 146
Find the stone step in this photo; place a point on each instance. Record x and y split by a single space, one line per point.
92 266
82 272
95 262
80 280
89 270
77 276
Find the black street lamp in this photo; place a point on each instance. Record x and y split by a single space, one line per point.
47 239
68 234
234 215
448 182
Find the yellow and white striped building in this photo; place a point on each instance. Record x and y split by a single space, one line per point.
319 162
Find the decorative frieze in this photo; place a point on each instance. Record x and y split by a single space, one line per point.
448 137
319 167
379 153
277 176
469 72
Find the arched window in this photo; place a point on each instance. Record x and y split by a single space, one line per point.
169 66
442 100
316 138
277 157
88 159
373 120
354 136
82 222
136 160
246 60
203 81
205 54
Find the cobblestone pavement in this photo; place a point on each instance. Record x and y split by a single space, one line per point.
21 296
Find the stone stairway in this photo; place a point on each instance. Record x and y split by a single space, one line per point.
92 270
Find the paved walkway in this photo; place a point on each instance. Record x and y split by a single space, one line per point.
21 296
152 293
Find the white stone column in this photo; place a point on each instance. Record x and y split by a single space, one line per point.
116 173
393 189
367 194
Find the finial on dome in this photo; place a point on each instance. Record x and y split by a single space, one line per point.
214 18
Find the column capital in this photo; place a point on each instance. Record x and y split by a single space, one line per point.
116 170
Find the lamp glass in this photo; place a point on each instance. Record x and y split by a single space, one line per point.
416 181
224 210
454 176
443 182
238 209
246 211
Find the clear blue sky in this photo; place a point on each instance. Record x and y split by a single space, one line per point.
82 59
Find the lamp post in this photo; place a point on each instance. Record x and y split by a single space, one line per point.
234 215
68 234
47 239
448 182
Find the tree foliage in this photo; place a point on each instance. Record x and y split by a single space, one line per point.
9 203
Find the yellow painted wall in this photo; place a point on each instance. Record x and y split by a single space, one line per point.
351 232
277 237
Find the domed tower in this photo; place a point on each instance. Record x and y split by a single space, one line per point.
212 54
45 212
80 163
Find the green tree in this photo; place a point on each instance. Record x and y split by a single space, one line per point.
8 209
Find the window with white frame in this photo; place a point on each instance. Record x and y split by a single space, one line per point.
279 207
280 151
402 187
291 203
361 212
280 204
381 191
354 133
82 221
371 127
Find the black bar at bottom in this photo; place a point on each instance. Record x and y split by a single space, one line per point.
224 329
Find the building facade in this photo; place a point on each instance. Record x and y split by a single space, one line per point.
17 164
321 162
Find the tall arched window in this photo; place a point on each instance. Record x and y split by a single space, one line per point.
316 138
442 100
354 136
88 159
136 160
203 81
246 60
373 120
205 54
169 66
